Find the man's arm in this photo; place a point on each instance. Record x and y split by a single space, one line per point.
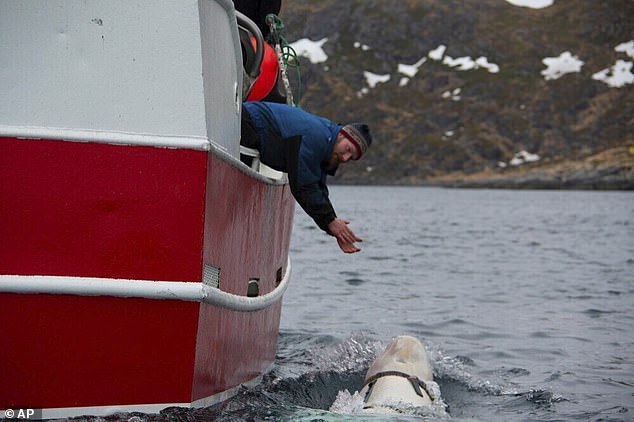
314 200
313 197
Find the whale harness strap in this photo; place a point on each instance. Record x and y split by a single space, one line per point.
416 383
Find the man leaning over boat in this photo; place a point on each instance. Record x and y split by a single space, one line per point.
308 148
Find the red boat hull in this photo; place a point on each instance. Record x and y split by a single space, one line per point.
127 214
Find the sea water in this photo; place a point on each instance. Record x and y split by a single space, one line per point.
524 299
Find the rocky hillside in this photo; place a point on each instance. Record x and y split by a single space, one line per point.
445 124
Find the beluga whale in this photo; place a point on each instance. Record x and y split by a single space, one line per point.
401 375
400 380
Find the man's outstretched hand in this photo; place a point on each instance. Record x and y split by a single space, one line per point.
345 237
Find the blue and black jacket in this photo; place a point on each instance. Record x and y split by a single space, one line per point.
298 143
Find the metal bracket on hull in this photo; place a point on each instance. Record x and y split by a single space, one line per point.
165 290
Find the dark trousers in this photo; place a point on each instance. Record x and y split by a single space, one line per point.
249 135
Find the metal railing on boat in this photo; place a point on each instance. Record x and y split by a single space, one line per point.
160 290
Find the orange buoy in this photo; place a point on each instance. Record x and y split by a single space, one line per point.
268 74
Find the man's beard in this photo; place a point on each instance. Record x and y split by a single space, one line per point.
332 164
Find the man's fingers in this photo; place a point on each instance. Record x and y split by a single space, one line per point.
347 247
345 237
349 236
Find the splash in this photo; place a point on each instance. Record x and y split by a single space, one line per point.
454 368
353 354
356 354
347 403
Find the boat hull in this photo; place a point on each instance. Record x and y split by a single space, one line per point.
84 213
142 265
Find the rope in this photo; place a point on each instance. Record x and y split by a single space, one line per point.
287 56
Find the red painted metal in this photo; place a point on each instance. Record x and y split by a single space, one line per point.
74 351
240 346
261 215
99 210
233 347
133 212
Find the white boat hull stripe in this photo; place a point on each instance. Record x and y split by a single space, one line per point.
70 412
165 290
107 137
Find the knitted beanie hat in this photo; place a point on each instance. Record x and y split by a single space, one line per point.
359 135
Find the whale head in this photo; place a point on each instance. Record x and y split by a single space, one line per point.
399 375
